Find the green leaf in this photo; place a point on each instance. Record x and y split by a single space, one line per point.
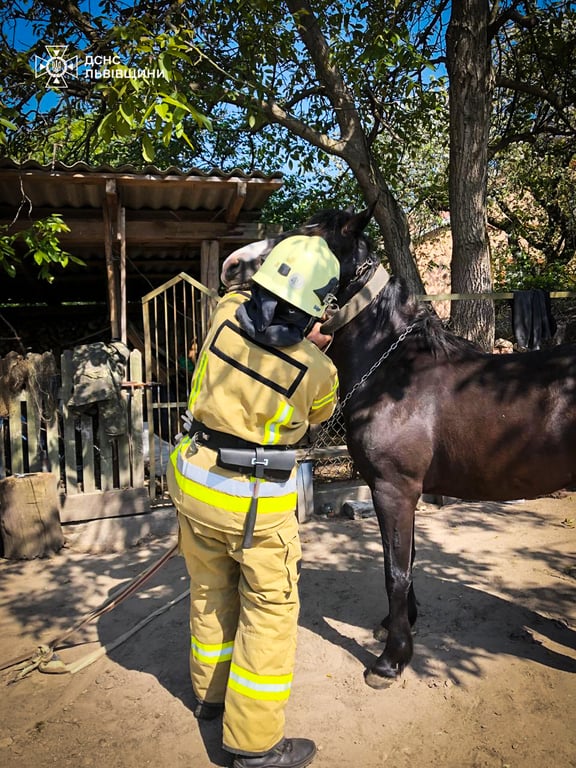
147 149
162 110
126 110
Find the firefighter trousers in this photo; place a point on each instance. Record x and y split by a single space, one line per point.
244 608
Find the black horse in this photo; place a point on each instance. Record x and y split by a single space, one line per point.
428 412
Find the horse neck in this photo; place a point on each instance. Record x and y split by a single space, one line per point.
359 343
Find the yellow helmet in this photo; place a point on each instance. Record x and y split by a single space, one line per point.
303 271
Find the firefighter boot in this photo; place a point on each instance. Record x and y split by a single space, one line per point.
290 753
203 710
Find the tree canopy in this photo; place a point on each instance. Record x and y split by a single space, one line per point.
350 98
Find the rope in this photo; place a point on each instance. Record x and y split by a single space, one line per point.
44 655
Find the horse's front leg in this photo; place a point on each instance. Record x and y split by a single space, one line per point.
381 632
395 509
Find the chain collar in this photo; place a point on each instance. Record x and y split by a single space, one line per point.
378 363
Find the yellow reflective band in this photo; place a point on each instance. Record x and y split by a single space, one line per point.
326 400
263 687
211 654
233 486
280 418
198 379
241 504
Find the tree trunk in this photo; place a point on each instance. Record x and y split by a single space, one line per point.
355 148
392 222
469 69
388 214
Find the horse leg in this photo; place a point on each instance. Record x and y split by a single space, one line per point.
395 507
381 632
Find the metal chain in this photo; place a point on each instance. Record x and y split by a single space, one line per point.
379 362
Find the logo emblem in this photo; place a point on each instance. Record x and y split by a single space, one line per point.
56 67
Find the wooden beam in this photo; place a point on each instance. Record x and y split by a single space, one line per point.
86 232
237 202
95 506
121 234
209 276
109 213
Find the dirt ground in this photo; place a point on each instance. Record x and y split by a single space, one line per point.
492 683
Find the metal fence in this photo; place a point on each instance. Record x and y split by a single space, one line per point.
175 319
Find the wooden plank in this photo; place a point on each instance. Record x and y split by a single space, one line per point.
94 506
485 296
53 446
2 450
121 235
237 202
123 458
87 438
33 446
106 458
15 426
69 431
210 277
108 208
137 420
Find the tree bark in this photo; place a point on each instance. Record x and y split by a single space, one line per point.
391 220
469 69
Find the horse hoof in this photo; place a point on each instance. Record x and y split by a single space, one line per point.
377 681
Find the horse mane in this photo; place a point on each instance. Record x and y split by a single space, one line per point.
397 306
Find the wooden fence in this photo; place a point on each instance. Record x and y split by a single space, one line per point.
98 475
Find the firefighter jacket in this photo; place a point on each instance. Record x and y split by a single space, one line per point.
260 394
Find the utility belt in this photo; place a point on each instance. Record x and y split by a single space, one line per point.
244 457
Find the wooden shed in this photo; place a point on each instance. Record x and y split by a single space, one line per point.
134 229
152 242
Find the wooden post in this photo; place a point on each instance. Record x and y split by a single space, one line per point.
121 235
29 516
209 277
109 210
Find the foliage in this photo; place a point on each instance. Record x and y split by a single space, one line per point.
39 242
519 270
533 200
232 83
532 179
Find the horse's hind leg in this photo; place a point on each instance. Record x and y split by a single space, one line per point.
381 632
395 506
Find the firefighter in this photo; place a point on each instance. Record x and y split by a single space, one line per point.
260 381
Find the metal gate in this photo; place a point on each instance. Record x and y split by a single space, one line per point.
175 319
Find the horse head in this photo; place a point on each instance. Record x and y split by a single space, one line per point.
343 230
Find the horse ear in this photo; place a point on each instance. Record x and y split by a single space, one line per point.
358 222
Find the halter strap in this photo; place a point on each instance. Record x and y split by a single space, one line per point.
358 302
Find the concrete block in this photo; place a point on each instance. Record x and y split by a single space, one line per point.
116 534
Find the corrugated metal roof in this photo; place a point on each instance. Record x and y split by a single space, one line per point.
80 185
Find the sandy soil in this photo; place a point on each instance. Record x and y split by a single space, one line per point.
492 683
